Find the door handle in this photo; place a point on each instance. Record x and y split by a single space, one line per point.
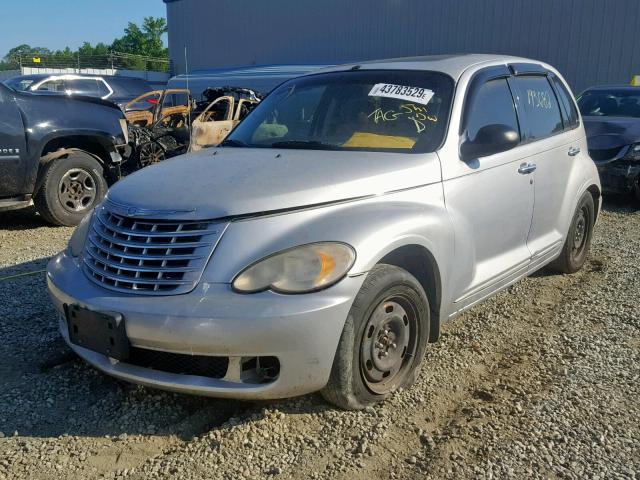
573 151
527 168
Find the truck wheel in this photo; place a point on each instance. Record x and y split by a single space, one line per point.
576 246
383 340
72 186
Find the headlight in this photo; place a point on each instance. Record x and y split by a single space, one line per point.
633 153
79 236
306 268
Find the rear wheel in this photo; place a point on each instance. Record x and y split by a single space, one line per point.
576 247
383 340
72 186
636 187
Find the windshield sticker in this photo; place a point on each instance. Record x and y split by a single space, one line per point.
412 112
402 92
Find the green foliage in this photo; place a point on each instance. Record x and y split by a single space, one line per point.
144 41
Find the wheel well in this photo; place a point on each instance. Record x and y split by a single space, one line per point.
595 193
420 263
88 144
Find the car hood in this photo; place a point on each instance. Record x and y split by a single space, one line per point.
229 182
605 133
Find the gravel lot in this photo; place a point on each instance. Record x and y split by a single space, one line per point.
542 381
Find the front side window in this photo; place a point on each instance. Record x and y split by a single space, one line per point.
610 103
540 107
491 104
377 110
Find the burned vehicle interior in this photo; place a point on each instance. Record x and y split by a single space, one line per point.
166 123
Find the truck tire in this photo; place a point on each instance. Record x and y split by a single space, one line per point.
72 186
576 246
383 340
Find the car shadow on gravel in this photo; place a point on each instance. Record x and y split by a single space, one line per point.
620 203
23 219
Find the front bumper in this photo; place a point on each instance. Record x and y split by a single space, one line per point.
302 331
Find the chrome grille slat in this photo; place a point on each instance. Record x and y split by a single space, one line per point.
131 256
149 257
152 233
128 279
147 244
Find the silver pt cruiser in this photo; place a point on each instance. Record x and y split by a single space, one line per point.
323 244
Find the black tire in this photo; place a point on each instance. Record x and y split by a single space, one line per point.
357 379
71 187
576 246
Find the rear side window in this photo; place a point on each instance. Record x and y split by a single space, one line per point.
571 119
540 107
491 104
87 86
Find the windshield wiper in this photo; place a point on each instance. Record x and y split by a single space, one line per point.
233 143
313 145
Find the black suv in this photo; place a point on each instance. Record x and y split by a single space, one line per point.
119 90
59 152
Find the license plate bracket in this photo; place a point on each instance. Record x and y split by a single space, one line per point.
102 332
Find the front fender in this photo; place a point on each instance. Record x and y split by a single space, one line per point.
374 227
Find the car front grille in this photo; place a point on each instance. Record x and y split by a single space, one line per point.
148 257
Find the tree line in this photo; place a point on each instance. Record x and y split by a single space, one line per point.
144 40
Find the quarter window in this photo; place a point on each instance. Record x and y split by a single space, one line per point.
569 107
540 106
492 104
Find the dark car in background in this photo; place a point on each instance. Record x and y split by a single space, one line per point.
611 117
117 89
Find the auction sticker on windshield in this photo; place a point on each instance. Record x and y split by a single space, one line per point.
402 92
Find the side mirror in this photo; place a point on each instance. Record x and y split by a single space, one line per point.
490 139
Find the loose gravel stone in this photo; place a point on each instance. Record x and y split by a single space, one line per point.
540 381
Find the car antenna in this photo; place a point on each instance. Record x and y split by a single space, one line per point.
186 71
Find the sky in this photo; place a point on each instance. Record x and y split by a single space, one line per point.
56 24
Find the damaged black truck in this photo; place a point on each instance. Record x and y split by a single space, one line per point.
60 153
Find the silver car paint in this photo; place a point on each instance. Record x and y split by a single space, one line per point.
484 224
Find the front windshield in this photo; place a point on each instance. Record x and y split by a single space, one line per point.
377 110
20 84
611 103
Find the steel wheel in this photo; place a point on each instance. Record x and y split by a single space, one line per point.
582 222
388 344
77 190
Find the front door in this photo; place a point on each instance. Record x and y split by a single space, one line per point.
489 200
12 147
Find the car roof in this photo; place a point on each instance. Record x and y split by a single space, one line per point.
42 76
453 65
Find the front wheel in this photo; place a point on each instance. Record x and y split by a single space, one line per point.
576 246
383 340
72 186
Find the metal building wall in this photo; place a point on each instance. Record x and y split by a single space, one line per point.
590 41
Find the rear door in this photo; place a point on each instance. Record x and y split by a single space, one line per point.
488 199
12 147
553 138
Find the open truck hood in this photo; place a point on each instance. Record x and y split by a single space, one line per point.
227 182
